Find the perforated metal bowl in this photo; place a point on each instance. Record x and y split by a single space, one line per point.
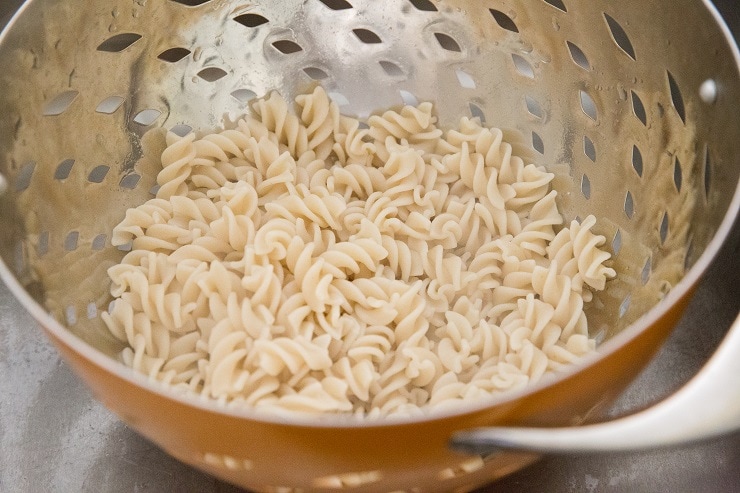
630 103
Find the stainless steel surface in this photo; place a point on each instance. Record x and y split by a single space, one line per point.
707 407
575 82
54 437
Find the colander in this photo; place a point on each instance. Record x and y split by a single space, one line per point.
631 104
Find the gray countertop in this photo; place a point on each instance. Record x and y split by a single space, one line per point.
54 437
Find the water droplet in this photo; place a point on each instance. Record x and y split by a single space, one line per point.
197 54
115 12
555 24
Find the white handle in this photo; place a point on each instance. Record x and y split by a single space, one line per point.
706 407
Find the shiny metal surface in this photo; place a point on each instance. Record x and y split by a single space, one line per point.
85 448
611 106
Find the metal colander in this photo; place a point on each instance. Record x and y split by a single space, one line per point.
630 103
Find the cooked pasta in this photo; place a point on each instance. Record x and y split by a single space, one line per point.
307 263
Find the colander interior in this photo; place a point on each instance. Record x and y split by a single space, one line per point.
632 110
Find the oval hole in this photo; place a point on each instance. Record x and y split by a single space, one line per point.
98 242
586 187
64 169
504 20
287 47
578 56
533 107
181 130
92 311
677 175
522 66
70 242
625 306
339 98
174 55
110 105
23 179
337 4
212 74
119 42
251 20
42 248
637 160
367 36
244 95
126 247
408 98
589 149
617 242
465 79
97 175
423 5
130 181
676 97
315 73
391 68
147 117
447 42
60 104
620 36
588 105
477 112
645 276
191 3
537 143
664 228
638 108
558 4
70 314
629 205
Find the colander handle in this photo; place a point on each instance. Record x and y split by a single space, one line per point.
706 407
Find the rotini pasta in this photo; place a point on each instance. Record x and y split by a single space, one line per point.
308 263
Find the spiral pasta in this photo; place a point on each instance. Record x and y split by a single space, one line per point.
308 263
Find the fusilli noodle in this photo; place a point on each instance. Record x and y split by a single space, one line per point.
307 263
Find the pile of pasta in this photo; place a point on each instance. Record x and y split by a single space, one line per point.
307 262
